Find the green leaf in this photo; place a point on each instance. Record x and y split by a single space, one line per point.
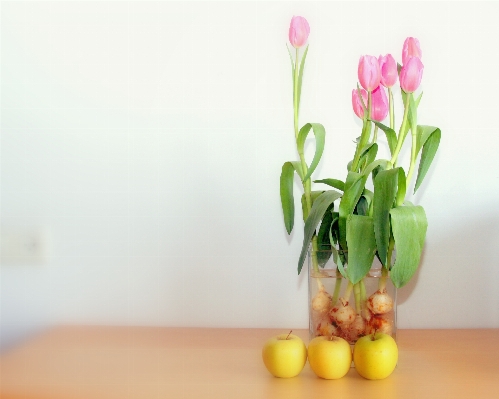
323 237
418 99
385 189
424 132
368 195
430 142
320 139
320 207
383 163
362 207
332 183
391 136
313 196
354 187
361 246
409 226
300 74
402 187
368 155
286 190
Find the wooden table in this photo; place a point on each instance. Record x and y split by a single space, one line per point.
150 363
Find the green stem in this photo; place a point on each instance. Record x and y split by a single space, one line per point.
392 114
337 287
295 94
413 158
401 136
382 280
391 245
375 136
356 290
348 293
364 137
363 293
307 187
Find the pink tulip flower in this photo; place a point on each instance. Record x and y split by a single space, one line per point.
411 74
410 49
379 104
369 72
299 30
388 68
357 104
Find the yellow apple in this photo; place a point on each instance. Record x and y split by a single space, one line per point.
284 355
375 356
329 357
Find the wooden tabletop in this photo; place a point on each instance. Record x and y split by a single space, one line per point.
150 363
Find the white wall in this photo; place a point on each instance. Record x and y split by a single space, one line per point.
147 138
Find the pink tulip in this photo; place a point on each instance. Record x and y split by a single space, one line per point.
379 104
356 103
369 72
388 68
411 74
299 30
410 49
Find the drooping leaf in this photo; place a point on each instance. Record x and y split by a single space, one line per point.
409 226
385 189
286 191
320 206
320 139
338 184
430 141
391 136
361 246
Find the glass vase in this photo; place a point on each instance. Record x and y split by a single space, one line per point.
338 308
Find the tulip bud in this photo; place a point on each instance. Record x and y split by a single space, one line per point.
379 104
299 30
411 74
388 69
357 104
368 72
410 49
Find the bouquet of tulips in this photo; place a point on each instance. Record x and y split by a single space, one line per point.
366 214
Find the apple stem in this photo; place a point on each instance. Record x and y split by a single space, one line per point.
373 338
289 334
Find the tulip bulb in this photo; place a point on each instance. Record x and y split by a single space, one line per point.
322 301
381 323
380 302
356 330
342 314
326 328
